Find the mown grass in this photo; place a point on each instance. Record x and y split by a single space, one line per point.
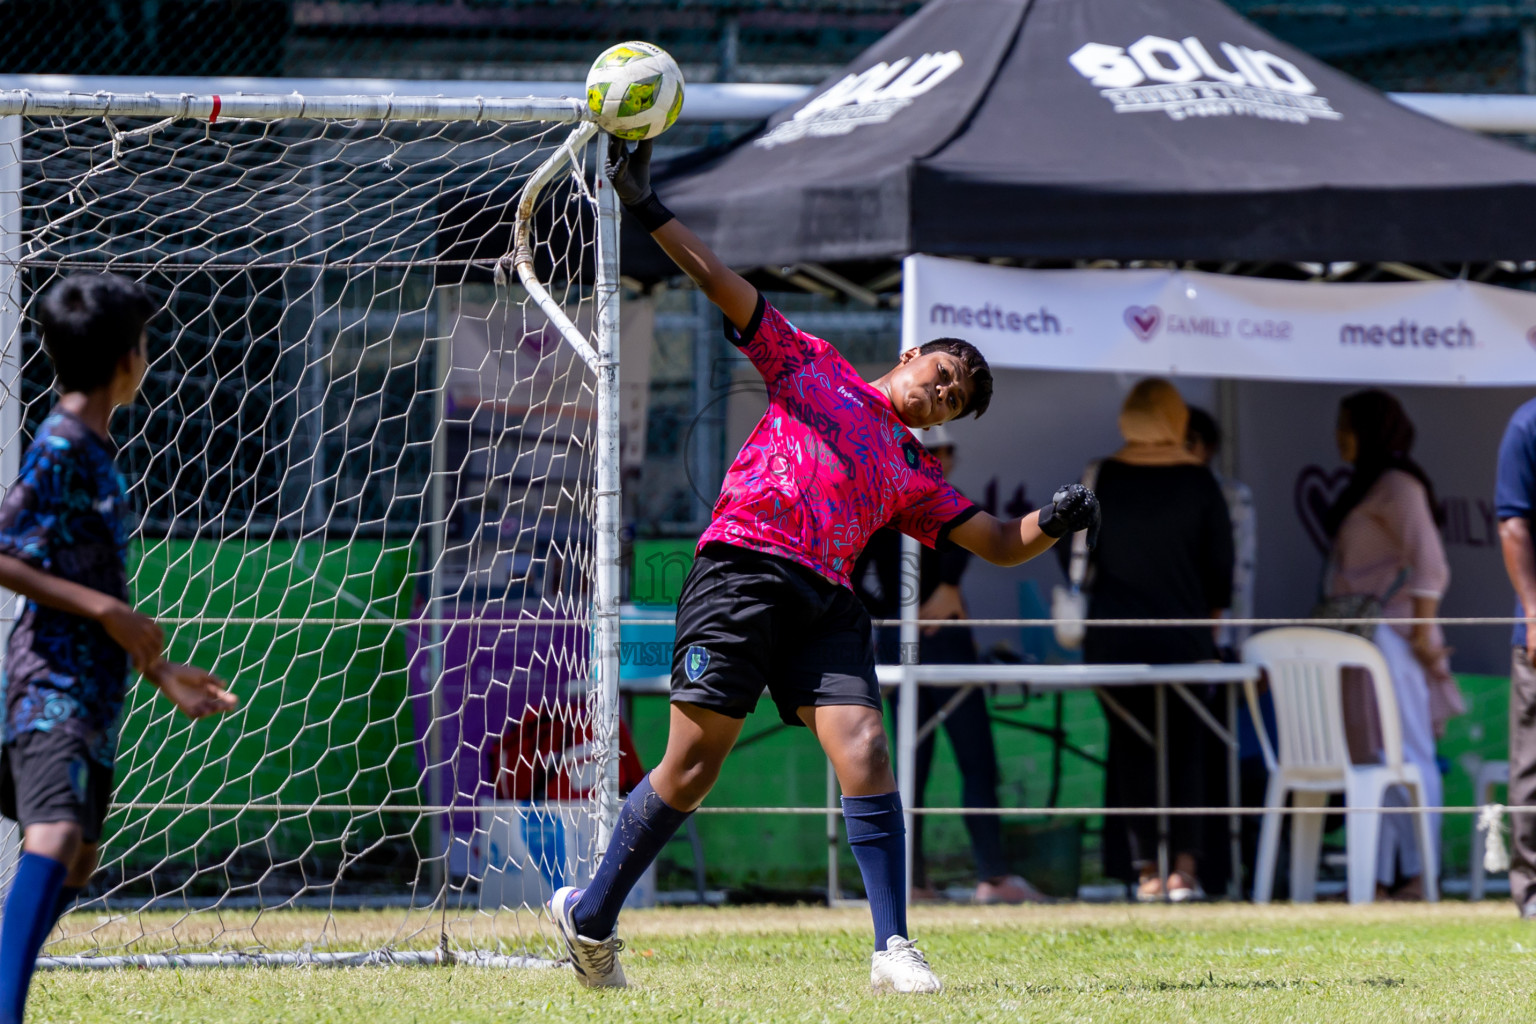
1391 963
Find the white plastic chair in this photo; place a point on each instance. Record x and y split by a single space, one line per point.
1303 666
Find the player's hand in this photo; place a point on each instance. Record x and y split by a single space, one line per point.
1072 508
136 633
195 693
629 170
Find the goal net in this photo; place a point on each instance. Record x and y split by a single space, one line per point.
372 473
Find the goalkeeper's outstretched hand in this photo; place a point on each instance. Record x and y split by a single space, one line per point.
629 170
1072 508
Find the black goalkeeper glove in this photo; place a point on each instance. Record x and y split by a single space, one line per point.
1072 508
630 172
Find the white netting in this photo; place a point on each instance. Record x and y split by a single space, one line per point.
365 475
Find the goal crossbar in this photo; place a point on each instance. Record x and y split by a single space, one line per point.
269 107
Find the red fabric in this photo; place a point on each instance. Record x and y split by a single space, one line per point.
548 756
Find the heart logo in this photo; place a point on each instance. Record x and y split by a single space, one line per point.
1143 320
1316 491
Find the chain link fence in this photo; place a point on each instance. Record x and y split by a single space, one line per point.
1461 46
478 39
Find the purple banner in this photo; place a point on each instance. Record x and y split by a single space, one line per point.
493 670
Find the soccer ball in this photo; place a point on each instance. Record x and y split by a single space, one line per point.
635 90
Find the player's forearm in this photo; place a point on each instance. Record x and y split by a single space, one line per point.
1520 560
724 287
158 673
630 172
1002 543
1026 539
54 592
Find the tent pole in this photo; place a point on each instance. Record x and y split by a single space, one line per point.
1226 417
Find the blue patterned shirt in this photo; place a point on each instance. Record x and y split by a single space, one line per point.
66 514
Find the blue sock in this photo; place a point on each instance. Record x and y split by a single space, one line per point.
27 920
645 824
878 834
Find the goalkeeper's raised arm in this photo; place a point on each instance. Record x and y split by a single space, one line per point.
630 172
937 383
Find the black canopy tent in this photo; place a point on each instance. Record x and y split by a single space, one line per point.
1075 131
1051 130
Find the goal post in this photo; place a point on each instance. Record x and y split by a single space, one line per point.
374 468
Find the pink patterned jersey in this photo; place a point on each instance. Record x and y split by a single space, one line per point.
829 463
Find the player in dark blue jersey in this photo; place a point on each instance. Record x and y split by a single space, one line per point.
63 547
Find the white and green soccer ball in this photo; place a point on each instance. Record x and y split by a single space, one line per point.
635 90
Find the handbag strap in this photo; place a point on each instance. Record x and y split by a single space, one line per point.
1330 568
1077 571
1397 584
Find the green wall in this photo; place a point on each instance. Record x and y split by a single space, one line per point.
324 714
787 768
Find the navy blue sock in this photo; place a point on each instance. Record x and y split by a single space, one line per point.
645 824
27 920
878 835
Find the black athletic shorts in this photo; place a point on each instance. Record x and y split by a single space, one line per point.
747 621
48 776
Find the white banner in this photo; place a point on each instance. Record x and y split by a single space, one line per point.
1213 325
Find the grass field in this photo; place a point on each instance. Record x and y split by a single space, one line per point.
1452 962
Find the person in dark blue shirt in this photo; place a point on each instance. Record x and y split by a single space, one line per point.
63 548
1515 505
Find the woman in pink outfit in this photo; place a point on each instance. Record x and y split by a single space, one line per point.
1386 543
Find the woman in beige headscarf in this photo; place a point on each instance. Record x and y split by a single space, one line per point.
1155 424
1165 552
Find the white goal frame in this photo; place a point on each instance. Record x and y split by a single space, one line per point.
599 354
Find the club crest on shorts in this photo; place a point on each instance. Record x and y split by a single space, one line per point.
695 661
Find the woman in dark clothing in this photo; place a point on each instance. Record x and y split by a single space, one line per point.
1165 552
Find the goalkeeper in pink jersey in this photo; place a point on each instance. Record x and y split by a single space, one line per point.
768 603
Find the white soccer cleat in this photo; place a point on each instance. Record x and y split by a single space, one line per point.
596 960
900 967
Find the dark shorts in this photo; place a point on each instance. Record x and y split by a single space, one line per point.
748 621
48 777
